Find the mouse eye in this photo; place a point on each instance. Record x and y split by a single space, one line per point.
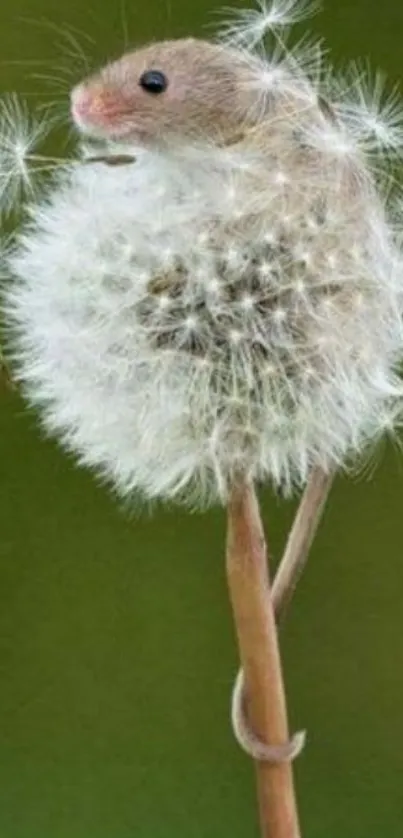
153 81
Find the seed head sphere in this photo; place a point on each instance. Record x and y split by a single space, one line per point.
230 303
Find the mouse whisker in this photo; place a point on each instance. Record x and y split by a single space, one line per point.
69 43
52 80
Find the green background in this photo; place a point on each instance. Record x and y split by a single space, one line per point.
116 645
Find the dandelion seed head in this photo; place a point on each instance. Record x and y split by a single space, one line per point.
230 303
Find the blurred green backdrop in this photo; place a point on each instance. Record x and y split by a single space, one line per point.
116 644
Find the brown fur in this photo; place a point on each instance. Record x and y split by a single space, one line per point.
206 96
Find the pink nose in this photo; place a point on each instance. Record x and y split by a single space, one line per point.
97 105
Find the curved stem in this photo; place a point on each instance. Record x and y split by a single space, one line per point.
294 559
249 588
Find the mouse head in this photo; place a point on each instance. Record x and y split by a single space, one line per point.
168 91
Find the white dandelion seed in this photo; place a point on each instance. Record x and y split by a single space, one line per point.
332 139
305 56
372 112
213 285
300 286
164 301
265 269
331 259
249 26
21 166
247 302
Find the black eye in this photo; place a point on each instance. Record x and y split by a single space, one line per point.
153 81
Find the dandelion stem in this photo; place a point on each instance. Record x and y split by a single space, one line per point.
292 564
249 589
300 539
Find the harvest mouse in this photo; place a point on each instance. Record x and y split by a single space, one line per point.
169 91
